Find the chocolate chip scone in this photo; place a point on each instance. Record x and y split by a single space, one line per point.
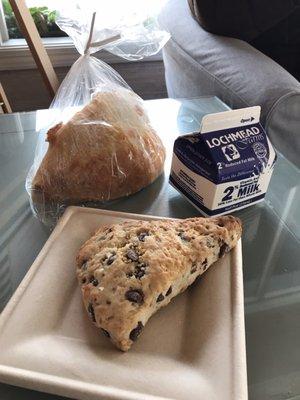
130 270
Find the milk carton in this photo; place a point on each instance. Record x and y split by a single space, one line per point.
227 165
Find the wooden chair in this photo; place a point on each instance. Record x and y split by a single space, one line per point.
35 44
4 103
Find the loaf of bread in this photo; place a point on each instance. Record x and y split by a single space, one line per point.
105 151
130 270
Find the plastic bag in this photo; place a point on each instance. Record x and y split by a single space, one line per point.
132 22
98 144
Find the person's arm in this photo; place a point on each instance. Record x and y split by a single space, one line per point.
243 19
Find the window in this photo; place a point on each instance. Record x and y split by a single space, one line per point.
42 14
14 51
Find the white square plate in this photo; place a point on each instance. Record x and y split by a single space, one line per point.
192 349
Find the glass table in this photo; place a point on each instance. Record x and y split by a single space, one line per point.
271 239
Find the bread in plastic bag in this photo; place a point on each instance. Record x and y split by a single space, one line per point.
106 151
98 144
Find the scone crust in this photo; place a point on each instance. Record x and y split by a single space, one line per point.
106 151
128 271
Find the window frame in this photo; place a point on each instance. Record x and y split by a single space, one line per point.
15 54
3 28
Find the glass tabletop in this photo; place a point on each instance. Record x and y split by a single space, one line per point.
271 238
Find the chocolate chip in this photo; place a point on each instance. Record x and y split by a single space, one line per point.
169 291
84 266
160 298
111 259
135 296
91 312
194 268
224 249
139 273
142 236
132 255
83 280
108 302
140 270
183 236
204 264
106 333
95 282
134 334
